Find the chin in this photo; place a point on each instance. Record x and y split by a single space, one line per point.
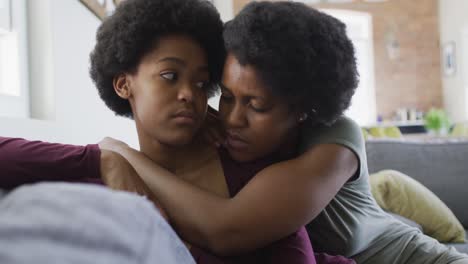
181 140
240 156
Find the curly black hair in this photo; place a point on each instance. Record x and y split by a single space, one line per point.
301 54
133 30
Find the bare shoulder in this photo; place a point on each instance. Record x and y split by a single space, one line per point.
204 169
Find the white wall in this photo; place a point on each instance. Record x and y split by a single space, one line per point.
5 15
41 60
80 115
226 10
453 23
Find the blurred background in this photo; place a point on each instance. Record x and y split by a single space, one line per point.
412 57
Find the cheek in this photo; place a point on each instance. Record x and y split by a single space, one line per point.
149 108
223 110
271 132
149 103
268 131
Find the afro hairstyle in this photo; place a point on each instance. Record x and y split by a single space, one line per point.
126 36
300 54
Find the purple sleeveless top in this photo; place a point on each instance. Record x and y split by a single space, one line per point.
294 248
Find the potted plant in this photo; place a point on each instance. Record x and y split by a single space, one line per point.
436 121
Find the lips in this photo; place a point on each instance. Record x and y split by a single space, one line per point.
235 142
185 117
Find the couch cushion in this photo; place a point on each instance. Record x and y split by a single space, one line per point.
403 195
86 224
441 166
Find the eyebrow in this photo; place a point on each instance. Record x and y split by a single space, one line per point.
181 62
173 59
224 87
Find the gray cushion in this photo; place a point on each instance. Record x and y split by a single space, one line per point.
86 224
462 247
441 166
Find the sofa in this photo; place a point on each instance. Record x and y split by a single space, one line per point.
441 165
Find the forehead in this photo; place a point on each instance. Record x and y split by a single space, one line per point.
243 78
177 46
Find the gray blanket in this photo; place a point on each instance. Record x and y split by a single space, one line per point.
83 223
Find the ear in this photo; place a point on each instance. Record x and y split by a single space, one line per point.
121 84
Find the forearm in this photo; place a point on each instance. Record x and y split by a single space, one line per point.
118 174
272 205
198 221
23 161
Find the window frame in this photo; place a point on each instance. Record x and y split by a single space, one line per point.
17 105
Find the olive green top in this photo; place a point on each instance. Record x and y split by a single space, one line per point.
352 224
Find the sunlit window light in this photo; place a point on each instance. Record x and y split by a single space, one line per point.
9 65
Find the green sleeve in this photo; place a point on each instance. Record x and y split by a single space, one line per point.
343 132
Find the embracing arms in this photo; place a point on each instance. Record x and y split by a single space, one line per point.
24 161
275 203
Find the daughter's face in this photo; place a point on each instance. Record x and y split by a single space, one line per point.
167 92
257 122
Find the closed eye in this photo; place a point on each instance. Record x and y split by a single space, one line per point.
258 109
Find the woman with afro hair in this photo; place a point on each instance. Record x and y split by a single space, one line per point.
289 75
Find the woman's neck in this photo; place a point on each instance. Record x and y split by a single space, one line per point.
288 149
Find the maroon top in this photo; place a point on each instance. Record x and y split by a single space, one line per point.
23 161
295 248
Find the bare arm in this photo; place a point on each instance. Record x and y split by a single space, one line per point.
275 203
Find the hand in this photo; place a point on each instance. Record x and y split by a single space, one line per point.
118 174
212 130
112 144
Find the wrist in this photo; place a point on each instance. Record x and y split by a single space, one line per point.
123 151
109 161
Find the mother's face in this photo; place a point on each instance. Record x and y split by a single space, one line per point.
257 122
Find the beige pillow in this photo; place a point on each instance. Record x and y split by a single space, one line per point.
401 194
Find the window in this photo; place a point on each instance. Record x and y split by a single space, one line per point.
9 74
359 30
13 60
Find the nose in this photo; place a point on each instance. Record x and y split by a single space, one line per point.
186 93
235 116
